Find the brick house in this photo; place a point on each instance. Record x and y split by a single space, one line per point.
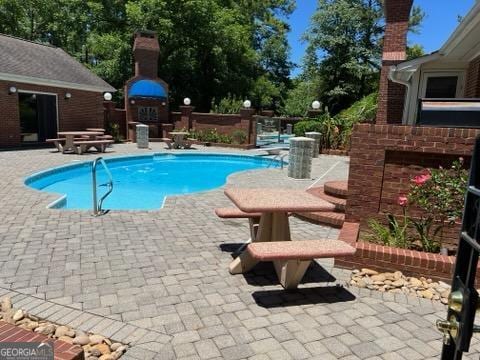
428 116
44 90
438 89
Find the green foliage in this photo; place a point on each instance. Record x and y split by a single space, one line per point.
227 105
395 234
300 98
439 193
415 51
336 130
239 137
114 130
427 233
344 48
209 48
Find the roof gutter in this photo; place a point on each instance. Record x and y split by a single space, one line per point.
392 76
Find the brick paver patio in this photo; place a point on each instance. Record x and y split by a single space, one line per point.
159 280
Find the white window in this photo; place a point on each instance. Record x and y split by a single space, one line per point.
446 85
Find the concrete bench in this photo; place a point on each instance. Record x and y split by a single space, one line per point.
292 258
235 213
167 141
57 142
84 145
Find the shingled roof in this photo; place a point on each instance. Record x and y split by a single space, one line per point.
35 63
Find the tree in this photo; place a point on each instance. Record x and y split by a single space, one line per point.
209 48
344 47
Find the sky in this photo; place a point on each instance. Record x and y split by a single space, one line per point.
440 21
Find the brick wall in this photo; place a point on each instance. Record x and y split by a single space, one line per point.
383 158
84 109
472 86
223 123
391 95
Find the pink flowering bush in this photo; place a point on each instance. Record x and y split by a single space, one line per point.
439 194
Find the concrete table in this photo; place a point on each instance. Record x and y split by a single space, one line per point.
70 137
178 138
274 205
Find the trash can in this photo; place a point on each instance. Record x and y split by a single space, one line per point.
142 136
318 138
300 157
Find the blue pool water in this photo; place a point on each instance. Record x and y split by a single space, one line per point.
143 182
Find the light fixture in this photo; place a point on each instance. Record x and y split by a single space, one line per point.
68 95
187 101
164 103
12 90
107 96
247 104
316 105
132 102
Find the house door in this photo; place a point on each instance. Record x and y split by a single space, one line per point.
38 117
459 325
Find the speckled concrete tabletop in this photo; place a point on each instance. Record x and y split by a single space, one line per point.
276 200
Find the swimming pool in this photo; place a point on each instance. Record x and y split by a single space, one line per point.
143 182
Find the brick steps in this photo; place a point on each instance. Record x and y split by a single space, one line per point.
335 192
340 204
336 188
330 218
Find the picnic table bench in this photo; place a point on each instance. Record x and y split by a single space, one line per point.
83 145
292 258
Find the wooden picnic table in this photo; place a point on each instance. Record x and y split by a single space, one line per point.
70 137
178 138
275 206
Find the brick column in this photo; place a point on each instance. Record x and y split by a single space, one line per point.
391 96
186 117
312 113
247 115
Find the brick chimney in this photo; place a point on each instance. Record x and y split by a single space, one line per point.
146 52
391 96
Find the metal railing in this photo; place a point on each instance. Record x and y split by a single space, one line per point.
97 204
276 158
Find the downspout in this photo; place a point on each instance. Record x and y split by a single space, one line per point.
406 105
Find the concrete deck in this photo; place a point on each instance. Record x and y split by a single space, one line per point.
159 280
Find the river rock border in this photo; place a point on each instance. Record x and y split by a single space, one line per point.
396 282
95 346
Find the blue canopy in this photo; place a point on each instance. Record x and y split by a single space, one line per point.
147 89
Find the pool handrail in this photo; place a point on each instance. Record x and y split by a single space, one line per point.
97 204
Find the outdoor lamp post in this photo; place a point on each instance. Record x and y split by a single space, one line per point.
187 101
316 105
247 104
107 96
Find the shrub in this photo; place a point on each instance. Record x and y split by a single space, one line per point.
239 137
229 105
439 193
211 136
114 130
